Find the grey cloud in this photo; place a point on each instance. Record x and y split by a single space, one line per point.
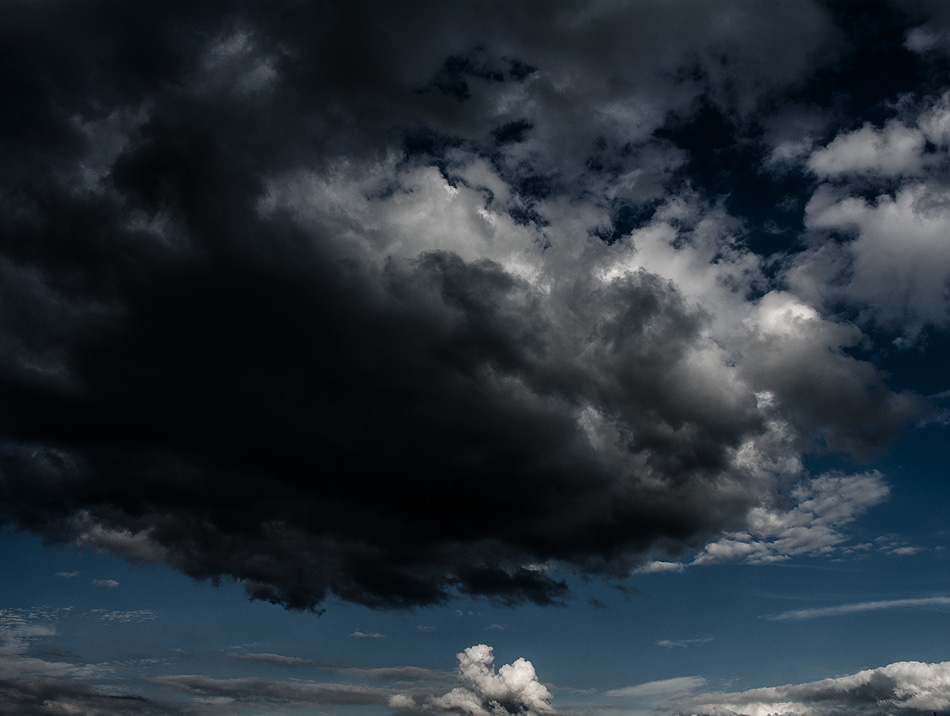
383 306
49 697
254 690
906 687
277 659
663 688
395 674
683 643
131 615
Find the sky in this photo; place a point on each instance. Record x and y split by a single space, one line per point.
474 358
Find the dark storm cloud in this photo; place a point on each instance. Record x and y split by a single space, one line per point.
314 297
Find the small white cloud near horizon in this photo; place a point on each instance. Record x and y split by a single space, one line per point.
513 689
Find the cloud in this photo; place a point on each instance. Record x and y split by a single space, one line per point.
902 688
886 206
892 150
132 615
52 696
683 643
107 583
276 659
513 689
486 324
395 674
664 688
255 690
367 635
809 522
857 607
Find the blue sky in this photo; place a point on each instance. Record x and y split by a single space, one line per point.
474 358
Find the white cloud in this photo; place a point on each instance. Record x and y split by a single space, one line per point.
367 635
894 150
513 689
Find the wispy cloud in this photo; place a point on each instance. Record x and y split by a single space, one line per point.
665 687
133 615
367 635
106 583
276 659
856 607
683 643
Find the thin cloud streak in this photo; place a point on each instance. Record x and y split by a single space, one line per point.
842 609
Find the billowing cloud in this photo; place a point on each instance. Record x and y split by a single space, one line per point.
906 687
513 689
390 307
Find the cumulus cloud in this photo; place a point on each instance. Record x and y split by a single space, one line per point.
513 689
906 687
490 321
